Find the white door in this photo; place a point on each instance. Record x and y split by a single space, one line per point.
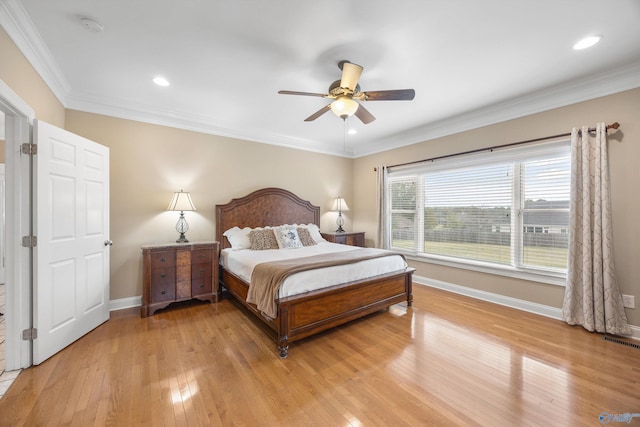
71 257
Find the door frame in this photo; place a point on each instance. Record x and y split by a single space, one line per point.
19 118
3 245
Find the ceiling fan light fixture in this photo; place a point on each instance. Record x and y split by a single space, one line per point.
346 93
344 107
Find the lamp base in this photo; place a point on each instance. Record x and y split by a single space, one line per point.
340 222
182 227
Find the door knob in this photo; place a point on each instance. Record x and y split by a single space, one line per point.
108 243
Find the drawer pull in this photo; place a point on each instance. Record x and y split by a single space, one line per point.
163 275
202 285
163 259
202 256
202 271
163 292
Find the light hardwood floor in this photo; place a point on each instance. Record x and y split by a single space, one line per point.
449 360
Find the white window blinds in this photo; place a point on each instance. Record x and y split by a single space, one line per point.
507 208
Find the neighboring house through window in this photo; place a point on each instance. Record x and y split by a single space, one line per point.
505 209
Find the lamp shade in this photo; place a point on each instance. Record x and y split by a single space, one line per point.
344 107
181 202
339 205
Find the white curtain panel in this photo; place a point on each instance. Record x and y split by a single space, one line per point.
382 237
592 297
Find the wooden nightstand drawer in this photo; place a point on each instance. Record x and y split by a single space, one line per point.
201 286
201 275
164 284
178 272
201 256
352 239
163 276
163 259
200 271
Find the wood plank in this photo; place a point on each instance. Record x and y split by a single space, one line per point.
447 360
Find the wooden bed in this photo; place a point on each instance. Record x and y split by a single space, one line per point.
303 315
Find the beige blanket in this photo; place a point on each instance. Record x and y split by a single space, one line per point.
267 277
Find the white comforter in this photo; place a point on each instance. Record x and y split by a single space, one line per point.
242 262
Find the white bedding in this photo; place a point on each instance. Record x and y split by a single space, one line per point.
242 262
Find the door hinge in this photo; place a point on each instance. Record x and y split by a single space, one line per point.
30 149
29 241
29 334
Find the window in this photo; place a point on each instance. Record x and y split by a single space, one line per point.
505 209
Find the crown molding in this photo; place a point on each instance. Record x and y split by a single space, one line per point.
18 25
15 21
127 110
572 92
603 84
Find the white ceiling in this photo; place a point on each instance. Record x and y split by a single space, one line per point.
471 63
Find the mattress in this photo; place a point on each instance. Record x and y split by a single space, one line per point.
242 262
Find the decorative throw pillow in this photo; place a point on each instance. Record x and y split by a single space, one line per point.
315 233
238 238
287 237
262 238
305 237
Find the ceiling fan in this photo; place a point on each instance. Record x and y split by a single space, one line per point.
346 92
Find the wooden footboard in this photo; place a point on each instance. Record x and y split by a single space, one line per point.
306 314
303 315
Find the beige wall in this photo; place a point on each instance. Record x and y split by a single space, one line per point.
624 159
150 162
20 76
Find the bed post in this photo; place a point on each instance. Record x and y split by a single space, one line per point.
409 287
283 338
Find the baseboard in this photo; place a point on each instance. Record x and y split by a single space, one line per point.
531 307
122 303
635 332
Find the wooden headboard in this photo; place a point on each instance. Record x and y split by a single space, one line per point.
268 206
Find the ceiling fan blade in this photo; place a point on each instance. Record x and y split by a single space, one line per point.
364 115
388 95
318 113
291 92
350 75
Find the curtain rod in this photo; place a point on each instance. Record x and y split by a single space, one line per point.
614 125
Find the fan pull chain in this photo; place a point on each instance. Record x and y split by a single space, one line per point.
344 147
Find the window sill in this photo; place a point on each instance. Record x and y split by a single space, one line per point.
558 279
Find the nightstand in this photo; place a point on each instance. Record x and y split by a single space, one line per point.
178 272
353 239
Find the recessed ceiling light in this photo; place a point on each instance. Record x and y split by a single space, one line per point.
352 132
587 42
161 81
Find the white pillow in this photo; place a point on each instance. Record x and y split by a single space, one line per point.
315 232
287 237
239 238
